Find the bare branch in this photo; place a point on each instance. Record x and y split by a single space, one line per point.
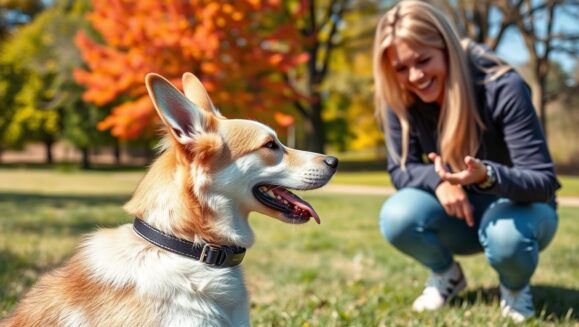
463 14
329 44
493 43
298 105
365 36
570 50
327 16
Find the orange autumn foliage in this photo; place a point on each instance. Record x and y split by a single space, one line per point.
236 50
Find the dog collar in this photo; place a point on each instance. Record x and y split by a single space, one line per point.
220 256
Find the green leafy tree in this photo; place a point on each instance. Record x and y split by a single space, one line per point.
348 101
45 103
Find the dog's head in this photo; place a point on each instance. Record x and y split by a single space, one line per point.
226 168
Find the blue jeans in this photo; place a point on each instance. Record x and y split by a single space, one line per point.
510 234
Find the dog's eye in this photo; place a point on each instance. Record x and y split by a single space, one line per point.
271 145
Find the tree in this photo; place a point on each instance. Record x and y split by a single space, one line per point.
40 95
541 44
321 24
28 116
486 21
232 49
10 82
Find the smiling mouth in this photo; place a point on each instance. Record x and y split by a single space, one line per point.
425 85
280 199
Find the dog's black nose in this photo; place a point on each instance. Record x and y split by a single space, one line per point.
331 161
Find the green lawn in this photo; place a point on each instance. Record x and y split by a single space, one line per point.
340 273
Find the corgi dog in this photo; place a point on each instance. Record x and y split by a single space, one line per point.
178 263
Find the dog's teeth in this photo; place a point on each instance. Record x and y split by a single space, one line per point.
263 189
285 202
270 193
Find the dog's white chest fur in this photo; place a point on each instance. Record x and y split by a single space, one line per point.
185 292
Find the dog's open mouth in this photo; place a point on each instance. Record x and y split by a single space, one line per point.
280 199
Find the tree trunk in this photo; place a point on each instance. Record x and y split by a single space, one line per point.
538 87
542 104
48 150
117 152
315 127
85 158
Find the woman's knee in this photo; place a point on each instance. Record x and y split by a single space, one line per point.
405 211
502 241
511 231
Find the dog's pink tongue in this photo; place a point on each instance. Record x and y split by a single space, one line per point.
296 201
308 208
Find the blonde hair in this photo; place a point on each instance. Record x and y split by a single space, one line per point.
459 124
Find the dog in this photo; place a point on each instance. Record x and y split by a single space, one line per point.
178 263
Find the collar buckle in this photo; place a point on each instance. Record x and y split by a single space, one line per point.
221 256
212 254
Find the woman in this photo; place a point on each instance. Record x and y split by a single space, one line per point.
467 155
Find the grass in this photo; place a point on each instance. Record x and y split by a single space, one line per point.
341 273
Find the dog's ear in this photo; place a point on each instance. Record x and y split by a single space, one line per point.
196 93
183 118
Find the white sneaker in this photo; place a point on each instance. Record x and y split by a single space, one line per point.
517 305
440 288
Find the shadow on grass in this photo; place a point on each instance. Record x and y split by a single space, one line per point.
31 198
11 268
551 301
76 166
11 262
81 213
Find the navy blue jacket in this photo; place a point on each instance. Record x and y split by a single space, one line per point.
513 143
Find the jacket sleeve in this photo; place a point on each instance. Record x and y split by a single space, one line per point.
532 175
417 173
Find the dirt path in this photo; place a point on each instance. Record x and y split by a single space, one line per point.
376 190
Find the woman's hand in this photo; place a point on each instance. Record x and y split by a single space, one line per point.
475 172
450 192
455 202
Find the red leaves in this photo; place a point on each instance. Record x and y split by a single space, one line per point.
235 49
283 119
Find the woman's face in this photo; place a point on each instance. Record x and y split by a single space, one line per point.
419 69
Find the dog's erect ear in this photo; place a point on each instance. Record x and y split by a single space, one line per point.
183 118
196 93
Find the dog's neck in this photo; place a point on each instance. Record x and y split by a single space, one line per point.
166 199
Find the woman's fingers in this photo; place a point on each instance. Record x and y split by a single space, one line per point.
432 156
475 171
462 210
450 210
468 213
456 178
438 166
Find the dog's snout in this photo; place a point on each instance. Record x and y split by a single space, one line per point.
331 161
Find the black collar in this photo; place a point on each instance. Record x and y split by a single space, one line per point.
220 256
